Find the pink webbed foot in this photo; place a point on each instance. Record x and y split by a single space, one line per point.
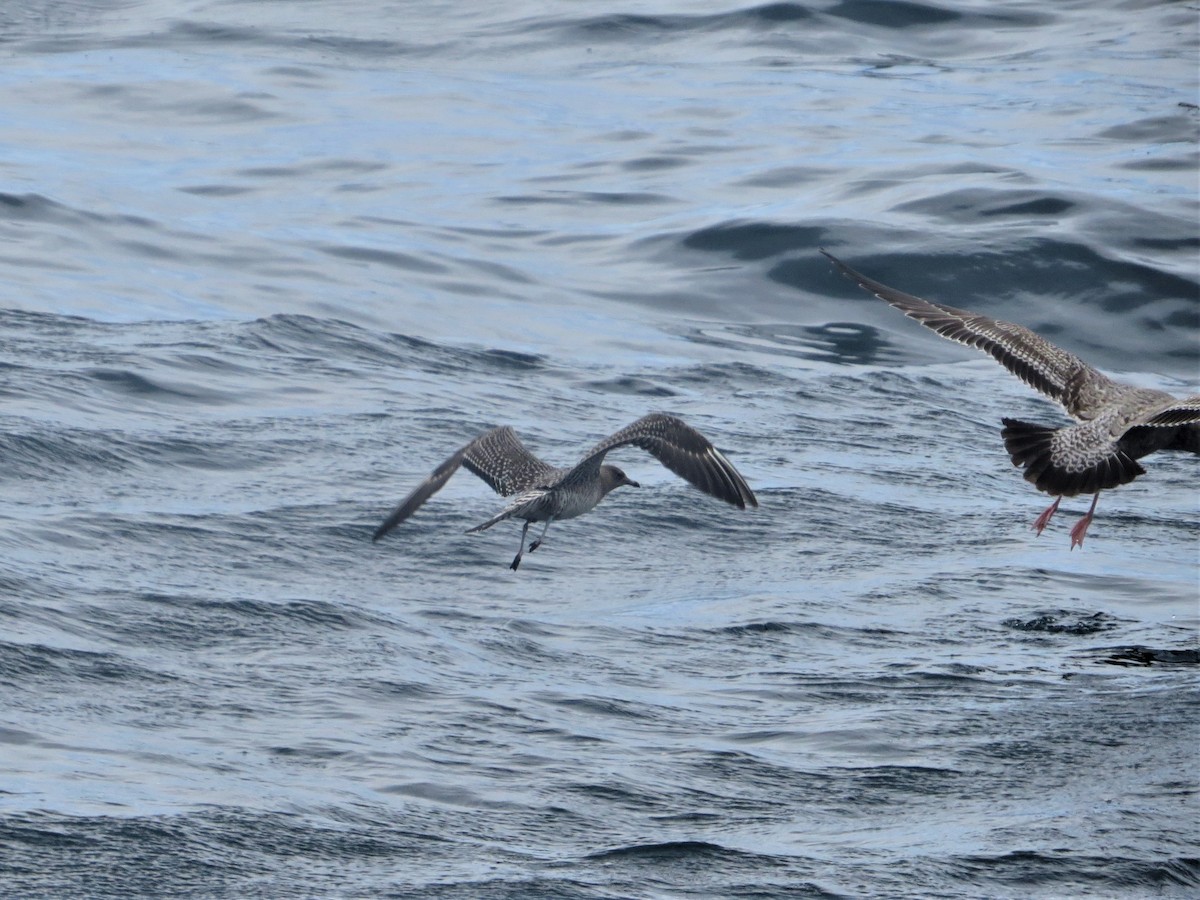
1043 520
1079 529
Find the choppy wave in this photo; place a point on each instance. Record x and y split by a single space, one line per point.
263 273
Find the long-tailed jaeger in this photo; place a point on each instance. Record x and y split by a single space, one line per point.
1116 423
544 493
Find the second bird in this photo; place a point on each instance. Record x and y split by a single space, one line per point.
1116 423
545 493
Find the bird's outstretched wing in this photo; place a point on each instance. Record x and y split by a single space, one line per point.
497 456
501 460
1170 413
683 450
1055 372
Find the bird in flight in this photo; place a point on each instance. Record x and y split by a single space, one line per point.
1115 423
544 493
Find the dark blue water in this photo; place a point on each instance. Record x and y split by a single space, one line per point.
266 265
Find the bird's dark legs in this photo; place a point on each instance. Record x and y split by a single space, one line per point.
521 552
541 537
521 549
1044 519
1080 528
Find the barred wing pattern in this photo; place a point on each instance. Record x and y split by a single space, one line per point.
501 460
497 456
1051 370
1172 412
683 450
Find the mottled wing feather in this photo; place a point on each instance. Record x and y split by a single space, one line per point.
501 460
497 456
1040 364
1170 413
684 451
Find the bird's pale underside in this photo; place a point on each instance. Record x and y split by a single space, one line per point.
544 493
1116 423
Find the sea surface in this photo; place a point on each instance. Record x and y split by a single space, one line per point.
263 266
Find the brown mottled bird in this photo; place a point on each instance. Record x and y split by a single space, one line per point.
544 493
1116 423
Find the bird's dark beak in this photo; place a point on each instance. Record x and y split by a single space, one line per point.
631 482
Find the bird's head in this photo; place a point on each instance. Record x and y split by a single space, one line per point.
611 477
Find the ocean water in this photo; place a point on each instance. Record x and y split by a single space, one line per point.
265 265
